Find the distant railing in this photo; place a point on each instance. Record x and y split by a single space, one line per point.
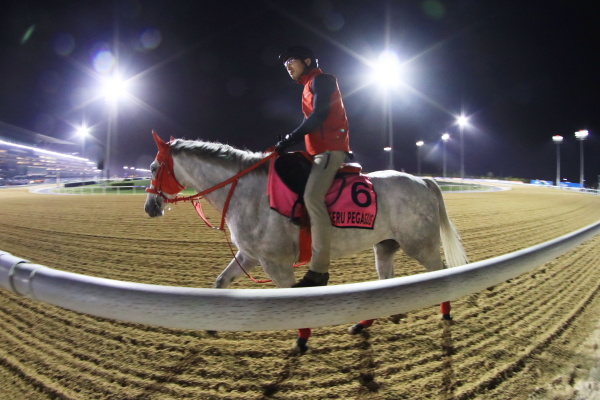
445 186
578 190
467 188
89 190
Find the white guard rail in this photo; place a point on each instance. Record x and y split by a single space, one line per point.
271 309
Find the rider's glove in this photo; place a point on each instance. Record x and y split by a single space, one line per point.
287 141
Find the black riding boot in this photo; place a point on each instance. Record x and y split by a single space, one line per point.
313 278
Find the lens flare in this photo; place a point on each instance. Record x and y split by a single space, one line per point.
104 61
150 38
63 44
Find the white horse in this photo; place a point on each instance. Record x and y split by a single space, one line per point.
411 215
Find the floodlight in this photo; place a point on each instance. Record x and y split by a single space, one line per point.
581 135
114 88
83 131
387 69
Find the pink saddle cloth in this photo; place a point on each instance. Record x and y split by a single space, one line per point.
351 200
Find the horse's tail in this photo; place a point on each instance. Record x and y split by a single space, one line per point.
453 248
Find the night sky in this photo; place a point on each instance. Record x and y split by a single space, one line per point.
522 71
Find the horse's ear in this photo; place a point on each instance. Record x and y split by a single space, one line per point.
172 138
161 144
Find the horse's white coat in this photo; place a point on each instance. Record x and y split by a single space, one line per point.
411 216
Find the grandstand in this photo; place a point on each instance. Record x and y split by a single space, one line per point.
29 157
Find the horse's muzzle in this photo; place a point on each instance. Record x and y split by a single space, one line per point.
154 205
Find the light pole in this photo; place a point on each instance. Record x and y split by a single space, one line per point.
420 144
445 138
558 140
388 149
390 134
461 120
581 136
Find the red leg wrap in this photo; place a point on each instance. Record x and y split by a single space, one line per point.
367 323
445 307
304 333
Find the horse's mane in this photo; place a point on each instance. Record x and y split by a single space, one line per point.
218 152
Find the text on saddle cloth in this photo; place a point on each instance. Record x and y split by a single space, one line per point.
351 199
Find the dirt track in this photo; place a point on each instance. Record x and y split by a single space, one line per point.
522 339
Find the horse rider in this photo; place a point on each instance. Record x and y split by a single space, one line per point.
325 133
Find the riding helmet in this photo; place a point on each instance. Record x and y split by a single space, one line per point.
300 52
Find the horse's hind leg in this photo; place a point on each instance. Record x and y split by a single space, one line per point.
384 262
300 345
445 311
429 256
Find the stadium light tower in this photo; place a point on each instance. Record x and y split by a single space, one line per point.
462 121
581 136
113 89
445 138
420 144
558 140
386 71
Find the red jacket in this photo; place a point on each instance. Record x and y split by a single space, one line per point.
333 133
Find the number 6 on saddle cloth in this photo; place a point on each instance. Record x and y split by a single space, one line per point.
351 200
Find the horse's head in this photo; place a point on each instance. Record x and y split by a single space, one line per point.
163 184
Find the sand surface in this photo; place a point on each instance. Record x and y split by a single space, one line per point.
535 336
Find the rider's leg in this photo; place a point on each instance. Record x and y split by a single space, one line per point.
323 170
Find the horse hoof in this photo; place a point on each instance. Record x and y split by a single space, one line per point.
356 329
446 317
300 346
211 333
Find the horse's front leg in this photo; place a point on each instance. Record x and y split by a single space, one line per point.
445 311
282 274
280 271
238 266
358 328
